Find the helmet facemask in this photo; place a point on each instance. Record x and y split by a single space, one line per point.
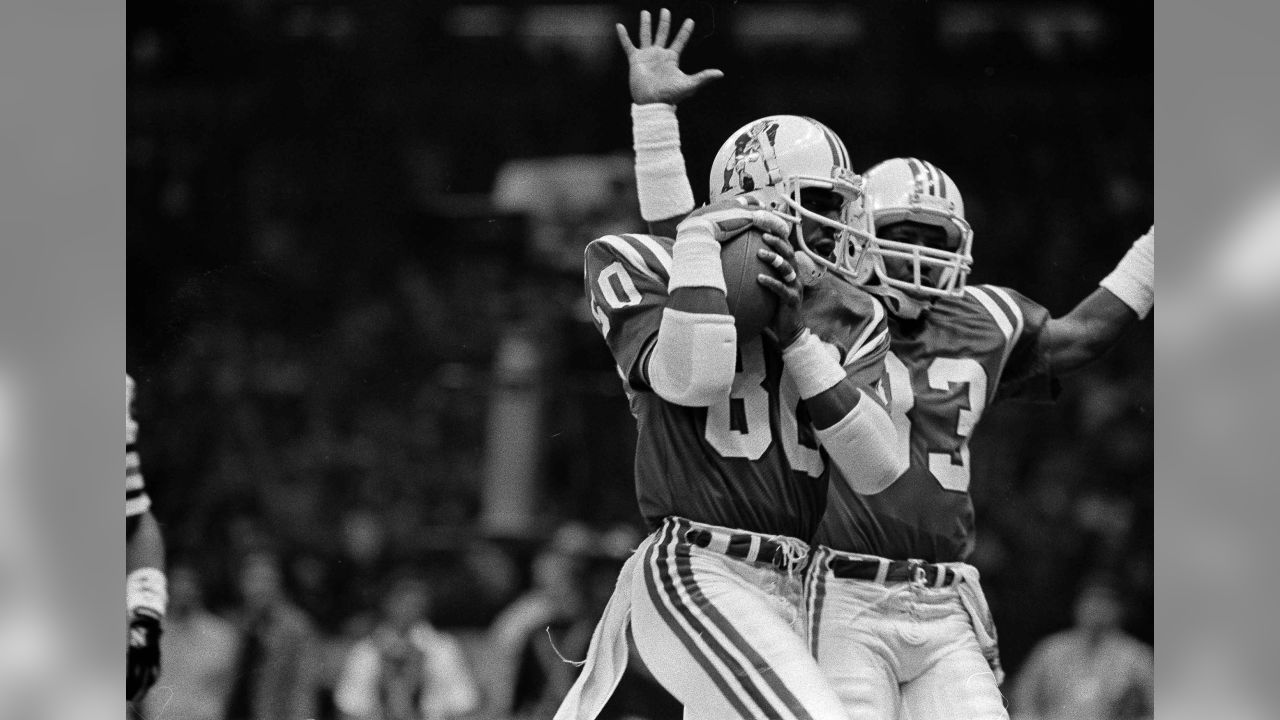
851 228
953 266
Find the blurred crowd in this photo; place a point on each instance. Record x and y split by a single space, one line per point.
374 411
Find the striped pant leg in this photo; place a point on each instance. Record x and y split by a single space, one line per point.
852 636
718 634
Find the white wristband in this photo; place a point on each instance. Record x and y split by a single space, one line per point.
695 262
661 182
1133 280
813 365
146 589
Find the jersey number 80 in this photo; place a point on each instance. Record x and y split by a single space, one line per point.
740 428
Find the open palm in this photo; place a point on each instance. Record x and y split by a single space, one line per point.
655 73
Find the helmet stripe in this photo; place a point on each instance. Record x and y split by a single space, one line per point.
942 180
837 158
835 140
917 174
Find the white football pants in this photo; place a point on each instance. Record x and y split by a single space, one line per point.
724 635
898 649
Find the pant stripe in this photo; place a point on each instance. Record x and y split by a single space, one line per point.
696 641
819 597
739 643
810 602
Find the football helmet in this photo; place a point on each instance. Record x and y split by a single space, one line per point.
910 189
774 158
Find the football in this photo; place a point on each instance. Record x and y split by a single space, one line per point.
751 304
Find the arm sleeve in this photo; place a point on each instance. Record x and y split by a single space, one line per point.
876 454
863 445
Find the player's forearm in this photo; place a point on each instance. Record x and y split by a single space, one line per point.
1125 296
829 394
863 447
1087 332
830 406
144 545
665 228
856 432
699 300
146 589
661 183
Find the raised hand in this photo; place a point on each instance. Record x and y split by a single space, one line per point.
655 74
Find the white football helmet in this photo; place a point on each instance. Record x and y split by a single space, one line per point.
910 189
790 153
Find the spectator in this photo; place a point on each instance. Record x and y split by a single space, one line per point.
277 668
1093 671
529 677
199 651
406 669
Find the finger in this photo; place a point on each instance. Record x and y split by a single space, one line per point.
780 246
780 265
664 28
785 294
625 39
646 29
702 78
770 223
682 35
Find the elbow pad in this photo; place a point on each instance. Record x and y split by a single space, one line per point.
694 359
863 445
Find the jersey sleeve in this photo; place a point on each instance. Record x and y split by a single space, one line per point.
856 324
626 286
864 360
1025 373
136 501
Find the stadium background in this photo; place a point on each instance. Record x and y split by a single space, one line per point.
355 305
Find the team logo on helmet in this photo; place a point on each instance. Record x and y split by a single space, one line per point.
754 145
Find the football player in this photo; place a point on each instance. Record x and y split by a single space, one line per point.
893 561
145 590
897 619
735 436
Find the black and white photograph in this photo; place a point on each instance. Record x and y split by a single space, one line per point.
560 361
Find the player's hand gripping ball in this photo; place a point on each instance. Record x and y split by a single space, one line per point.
740 224
142 659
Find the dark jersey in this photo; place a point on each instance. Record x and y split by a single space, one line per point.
940 374
752 462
